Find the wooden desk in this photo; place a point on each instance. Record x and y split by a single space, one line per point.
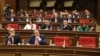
18 50
49 34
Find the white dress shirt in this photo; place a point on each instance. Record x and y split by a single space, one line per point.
30 27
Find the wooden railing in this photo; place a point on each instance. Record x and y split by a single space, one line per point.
18 50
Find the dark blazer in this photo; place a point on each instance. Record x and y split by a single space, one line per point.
44 26
32 40
72 20
68 27
22 19
74 15
16 40
9 18
58 20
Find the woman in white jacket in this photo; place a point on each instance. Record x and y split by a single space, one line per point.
30 26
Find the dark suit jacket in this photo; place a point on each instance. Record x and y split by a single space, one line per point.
75 16
68 27
9 18
44 26
16 39
32 40
72 20
58 20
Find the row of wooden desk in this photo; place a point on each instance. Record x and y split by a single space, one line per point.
18 50
50 34
54 25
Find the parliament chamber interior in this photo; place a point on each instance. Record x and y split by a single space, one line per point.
49 27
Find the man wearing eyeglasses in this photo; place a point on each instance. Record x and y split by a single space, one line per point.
12 37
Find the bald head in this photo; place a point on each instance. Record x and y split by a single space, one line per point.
11 31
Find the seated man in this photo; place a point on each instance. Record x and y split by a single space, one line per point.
12 18
30 26
40 19
37 39
55 18
46 25
70 19
83 27
12 37
65 26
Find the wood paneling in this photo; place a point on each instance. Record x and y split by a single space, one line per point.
98 15
2 4
22 4
19 50
12 3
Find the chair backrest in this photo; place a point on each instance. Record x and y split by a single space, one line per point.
36 15
59 40
37 26
48 16
87 41
15 26
86 21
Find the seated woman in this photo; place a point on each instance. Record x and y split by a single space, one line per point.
65 26
46 25
30 26
83 27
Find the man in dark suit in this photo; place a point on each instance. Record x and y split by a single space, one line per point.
37 38
69 18
65 26
46 25
11 18
12 37
55 18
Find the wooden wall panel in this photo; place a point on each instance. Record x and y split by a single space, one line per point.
22 4
98 14
2 4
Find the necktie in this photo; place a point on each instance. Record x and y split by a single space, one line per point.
31 26
9 41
